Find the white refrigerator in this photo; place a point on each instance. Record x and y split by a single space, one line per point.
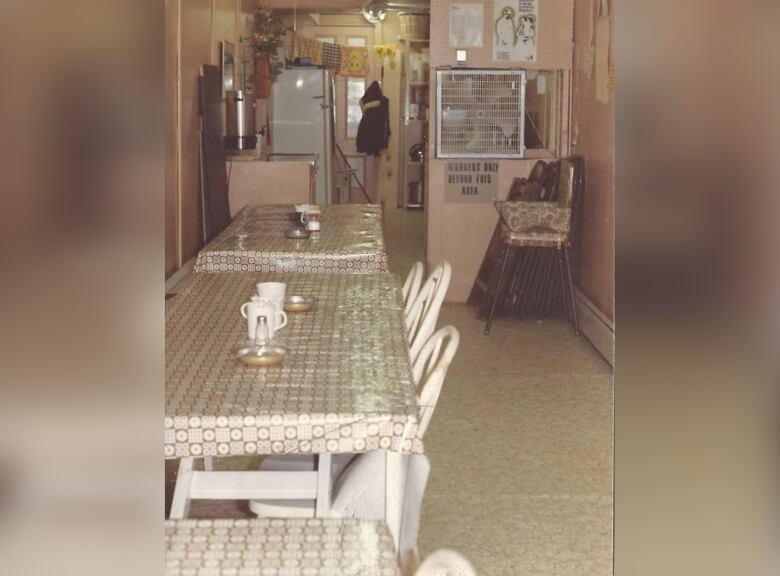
302 120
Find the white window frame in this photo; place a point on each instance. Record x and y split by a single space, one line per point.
352 134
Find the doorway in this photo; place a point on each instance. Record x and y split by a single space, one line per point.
385 179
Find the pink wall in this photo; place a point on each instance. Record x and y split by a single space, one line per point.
460 232
594 127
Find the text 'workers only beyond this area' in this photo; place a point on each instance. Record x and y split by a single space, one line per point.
471 181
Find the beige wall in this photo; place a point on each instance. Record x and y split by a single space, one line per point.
594 124
460 232
259 182
194 29
171 138
195 50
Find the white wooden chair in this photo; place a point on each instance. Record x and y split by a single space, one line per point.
360 493
429 370
359 488
445 562
328 468
420 321
412 285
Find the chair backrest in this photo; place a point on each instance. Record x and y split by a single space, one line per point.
550 181
565 188
577 188
424 312
537 172
445 562
569 189
525 190
429 369
412 285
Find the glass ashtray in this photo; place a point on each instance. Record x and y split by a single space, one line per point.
261 355
297 233
295 303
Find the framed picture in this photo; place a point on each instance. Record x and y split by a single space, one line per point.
227 53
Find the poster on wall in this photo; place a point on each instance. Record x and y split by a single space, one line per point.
470 181
515 30
466 24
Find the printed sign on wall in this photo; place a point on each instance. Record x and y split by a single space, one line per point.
470 180
515 30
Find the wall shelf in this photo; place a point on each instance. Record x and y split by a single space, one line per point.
415 85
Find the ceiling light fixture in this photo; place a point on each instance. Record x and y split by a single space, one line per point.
375 12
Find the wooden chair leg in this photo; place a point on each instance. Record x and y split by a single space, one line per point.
498 288
571 292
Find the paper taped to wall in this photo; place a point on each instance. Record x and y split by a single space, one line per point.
466 24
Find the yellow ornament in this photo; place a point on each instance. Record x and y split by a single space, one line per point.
385 50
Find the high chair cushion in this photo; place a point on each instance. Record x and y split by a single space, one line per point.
536 219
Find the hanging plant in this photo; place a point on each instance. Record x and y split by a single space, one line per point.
268 37
263 80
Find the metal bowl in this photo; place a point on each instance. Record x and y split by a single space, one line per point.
256 355
295 303
297 233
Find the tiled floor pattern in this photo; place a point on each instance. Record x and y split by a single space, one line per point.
520 446
521 451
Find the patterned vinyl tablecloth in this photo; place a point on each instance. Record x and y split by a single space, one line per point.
350 241
276 547
344 386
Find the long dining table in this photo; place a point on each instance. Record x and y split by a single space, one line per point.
343 387
277 547
350 241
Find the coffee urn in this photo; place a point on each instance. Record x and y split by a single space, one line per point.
240 120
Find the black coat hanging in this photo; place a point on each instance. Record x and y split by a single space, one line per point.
374 128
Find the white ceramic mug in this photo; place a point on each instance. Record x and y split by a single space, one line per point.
301 214
274 291
274 319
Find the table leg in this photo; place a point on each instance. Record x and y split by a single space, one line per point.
396 466
324 483
180 507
